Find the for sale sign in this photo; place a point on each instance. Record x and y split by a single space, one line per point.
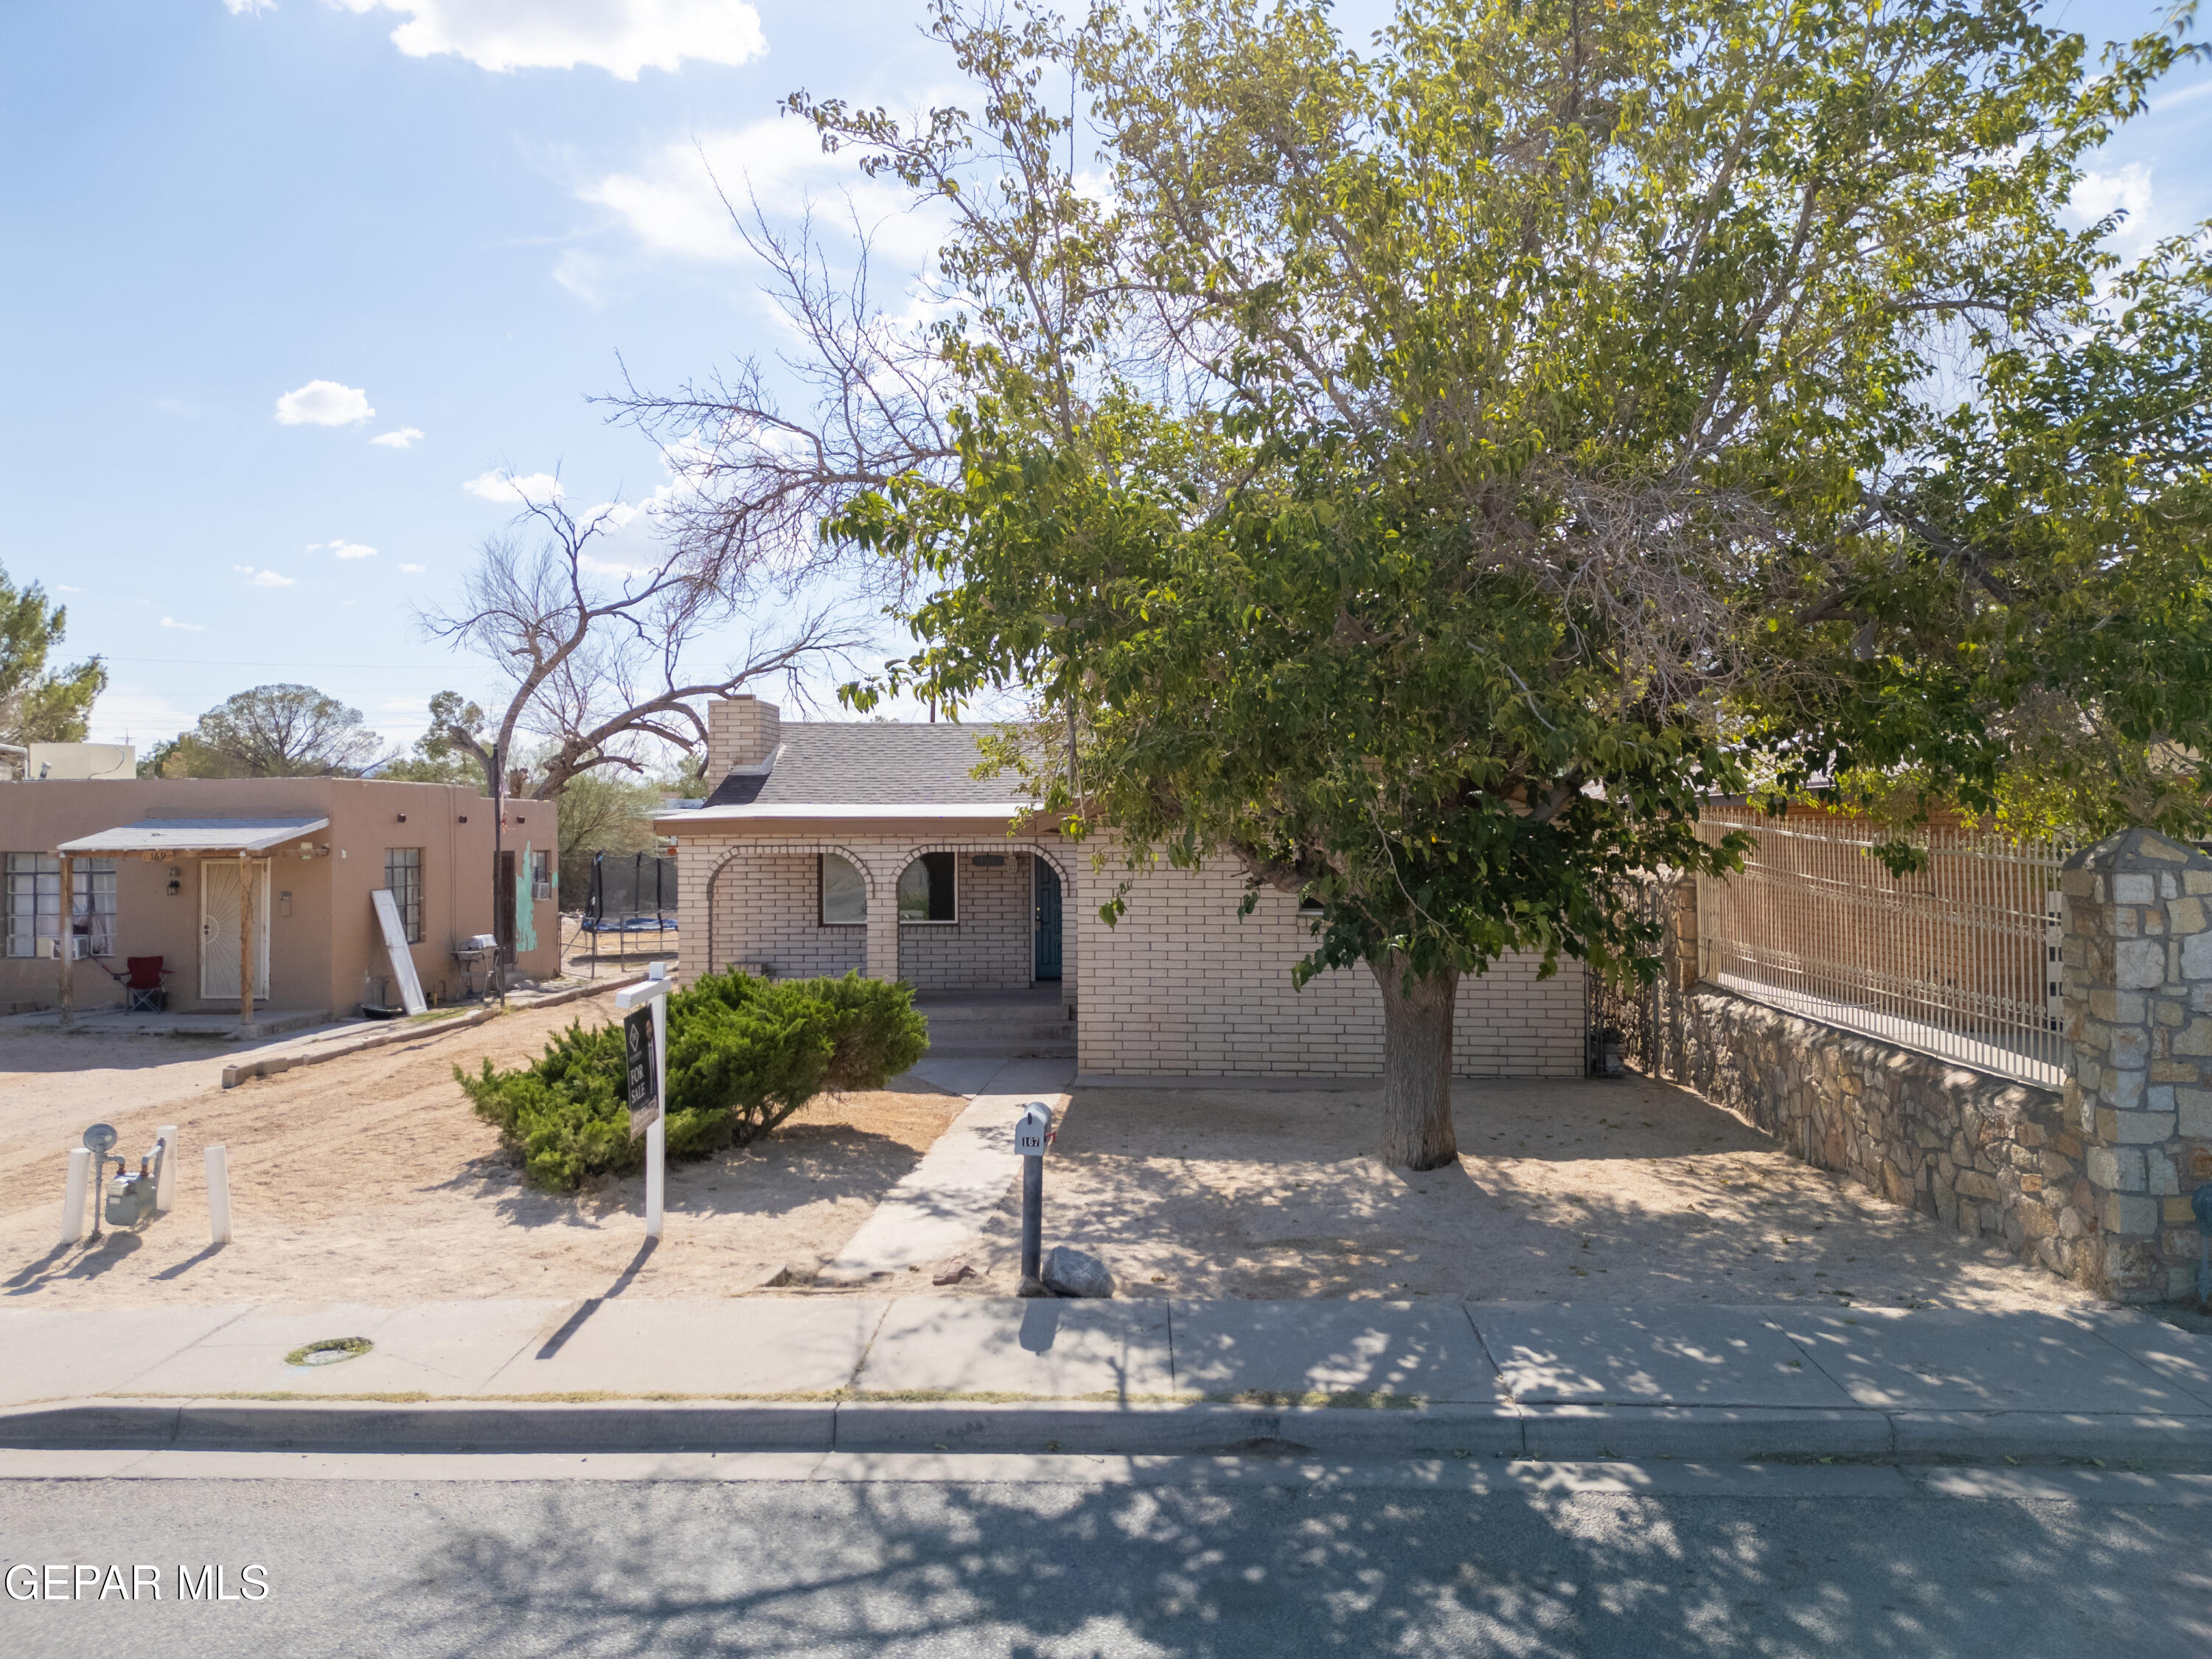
644 1085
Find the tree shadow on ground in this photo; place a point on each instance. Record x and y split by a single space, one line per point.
1639 1192
786 1172
1269 1568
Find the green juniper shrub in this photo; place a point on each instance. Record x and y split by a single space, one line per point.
744 1055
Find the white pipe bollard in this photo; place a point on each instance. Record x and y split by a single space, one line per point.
165 1189
73 1205
218 1179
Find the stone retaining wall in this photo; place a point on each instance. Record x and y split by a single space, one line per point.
2094 1183
1994 1159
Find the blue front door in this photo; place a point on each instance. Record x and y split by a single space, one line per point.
1047 919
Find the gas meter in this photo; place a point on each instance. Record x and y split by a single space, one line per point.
130 1193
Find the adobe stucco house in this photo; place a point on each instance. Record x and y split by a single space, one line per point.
156 867
828 846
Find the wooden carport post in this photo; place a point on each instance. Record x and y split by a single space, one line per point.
246 871
67 942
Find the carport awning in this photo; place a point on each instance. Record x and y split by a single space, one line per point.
192 837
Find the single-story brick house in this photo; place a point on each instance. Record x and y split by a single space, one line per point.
831 845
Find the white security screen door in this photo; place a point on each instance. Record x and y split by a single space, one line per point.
219 930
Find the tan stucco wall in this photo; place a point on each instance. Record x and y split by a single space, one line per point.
323 940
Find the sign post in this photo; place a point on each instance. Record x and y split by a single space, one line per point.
645 1052
1032 1133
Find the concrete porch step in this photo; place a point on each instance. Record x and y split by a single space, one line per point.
999 1025
1032 1030
1011 1049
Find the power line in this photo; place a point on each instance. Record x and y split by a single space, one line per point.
243 662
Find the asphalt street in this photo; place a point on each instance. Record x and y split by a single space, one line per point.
974 1556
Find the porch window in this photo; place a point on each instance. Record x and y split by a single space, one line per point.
35 905
925 890
403 874
842 891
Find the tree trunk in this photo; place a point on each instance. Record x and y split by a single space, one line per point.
1417 1053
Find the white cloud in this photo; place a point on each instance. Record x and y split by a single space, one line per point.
580 273
246 8
414 569
404 437
64 587
324 403
672 204
505 487
263 577
340 548
189 628
619 36
2127 191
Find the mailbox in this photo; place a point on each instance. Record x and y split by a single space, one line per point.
1033 1129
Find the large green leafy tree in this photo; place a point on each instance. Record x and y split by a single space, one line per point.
39 704
1421 477
274 731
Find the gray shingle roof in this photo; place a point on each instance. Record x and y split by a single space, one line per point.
867 763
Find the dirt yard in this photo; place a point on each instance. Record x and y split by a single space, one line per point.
1625 1190
370 1178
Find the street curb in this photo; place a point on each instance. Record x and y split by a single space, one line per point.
400 1030
1981 1437
429 1426
1743 1433
1553 1433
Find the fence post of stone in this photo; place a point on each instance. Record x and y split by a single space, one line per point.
2136 975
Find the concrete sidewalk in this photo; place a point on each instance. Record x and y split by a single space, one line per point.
940 1205
1555 1381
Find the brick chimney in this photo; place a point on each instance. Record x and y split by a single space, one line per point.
741 730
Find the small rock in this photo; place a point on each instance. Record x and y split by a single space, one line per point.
1076 1272
951 1273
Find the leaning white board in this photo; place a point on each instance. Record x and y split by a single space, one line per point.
403 960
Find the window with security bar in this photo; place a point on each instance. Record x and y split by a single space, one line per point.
34 906
403 874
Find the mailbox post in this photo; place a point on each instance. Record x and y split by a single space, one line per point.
647 1073
1032 1132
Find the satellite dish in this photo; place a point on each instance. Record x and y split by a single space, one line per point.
100 1138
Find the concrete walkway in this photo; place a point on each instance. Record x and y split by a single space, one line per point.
938 1207
858 1373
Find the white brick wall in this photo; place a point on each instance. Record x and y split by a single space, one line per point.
992 947
765 910
1181 985
757 894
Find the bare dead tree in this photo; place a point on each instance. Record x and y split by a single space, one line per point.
594 654
1023 275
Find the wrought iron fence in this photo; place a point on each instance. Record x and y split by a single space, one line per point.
1958 960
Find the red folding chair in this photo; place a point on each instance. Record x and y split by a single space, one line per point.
143 985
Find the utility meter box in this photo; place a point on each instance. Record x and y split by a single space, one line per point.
1032 1129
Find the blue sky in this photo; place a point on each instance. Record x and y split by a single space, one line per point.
454 213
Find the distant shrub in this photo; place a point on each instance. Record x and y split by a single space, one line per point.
744 1055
